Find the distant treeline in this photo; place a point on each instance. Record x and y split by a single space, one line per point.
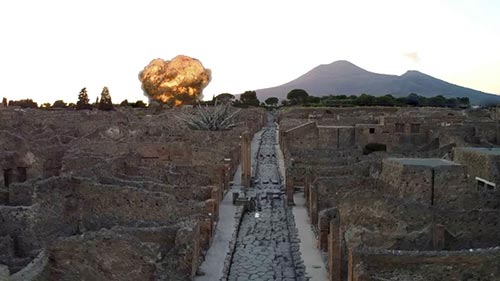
249 99
29 103
104 103
387 100
302 98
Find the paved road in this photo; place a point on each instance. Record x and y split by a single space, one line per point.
263 248
213 265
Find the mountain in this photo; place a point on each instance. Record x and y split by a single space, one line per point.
343 77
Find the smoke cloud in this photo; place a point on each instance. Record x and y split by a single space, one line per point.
175 82
413 56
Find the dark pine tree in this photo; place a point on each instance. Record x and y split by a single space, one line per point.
83 100
105 101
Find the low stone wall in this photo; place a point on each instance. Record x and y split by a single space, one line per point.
475 264
300 161
102 255
394 223
440 185
360 169
71 205
305 135
332 189
33 271
181 192
164 253
470 228
479 164
18 222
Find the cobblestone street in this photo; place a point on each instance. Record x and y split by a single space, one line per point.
265 248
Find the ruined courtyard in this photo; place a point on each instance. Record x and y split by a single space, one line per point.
388 193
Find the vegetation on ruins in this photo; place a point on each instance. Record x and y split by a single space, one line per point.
24 103
105 102
272 101
59 104
83 100
45 105
224 98
216 118
137 104
248 98
297 96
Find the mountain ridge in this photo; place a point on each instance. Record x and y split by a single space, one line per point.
343 77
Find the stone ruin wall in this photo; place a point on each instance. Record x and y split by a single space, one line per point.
478 165
479 264
370 207
103 150
448 127
308 159
465 228
108 134
415 183
336 137
388 224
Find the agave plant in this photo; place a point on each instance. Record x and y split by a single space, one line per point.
216 118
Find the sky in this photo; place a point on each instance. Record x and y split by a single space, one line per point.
51 49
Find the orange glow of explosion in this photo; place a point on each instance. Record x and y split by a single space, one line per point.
176 82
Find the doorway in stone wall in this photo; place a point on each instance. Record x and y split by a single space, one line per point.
373 147
7 177
22 174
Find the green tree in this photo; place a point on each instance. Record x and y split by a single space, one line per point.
401 101
365 100
225 98
272 101
105 102
313 100
139 104
24 103
45 105
124 103
59 104
83 100
463 102
437 101
413 100
452 102
249 98
297 96
4 101
387 100
237 103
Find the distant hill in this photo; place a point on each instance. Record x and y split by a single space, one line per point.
343 77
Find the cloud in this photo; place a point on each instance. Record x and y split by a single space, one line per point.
413 56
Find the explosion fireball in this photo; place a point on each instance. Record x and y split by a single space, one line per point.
176 82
